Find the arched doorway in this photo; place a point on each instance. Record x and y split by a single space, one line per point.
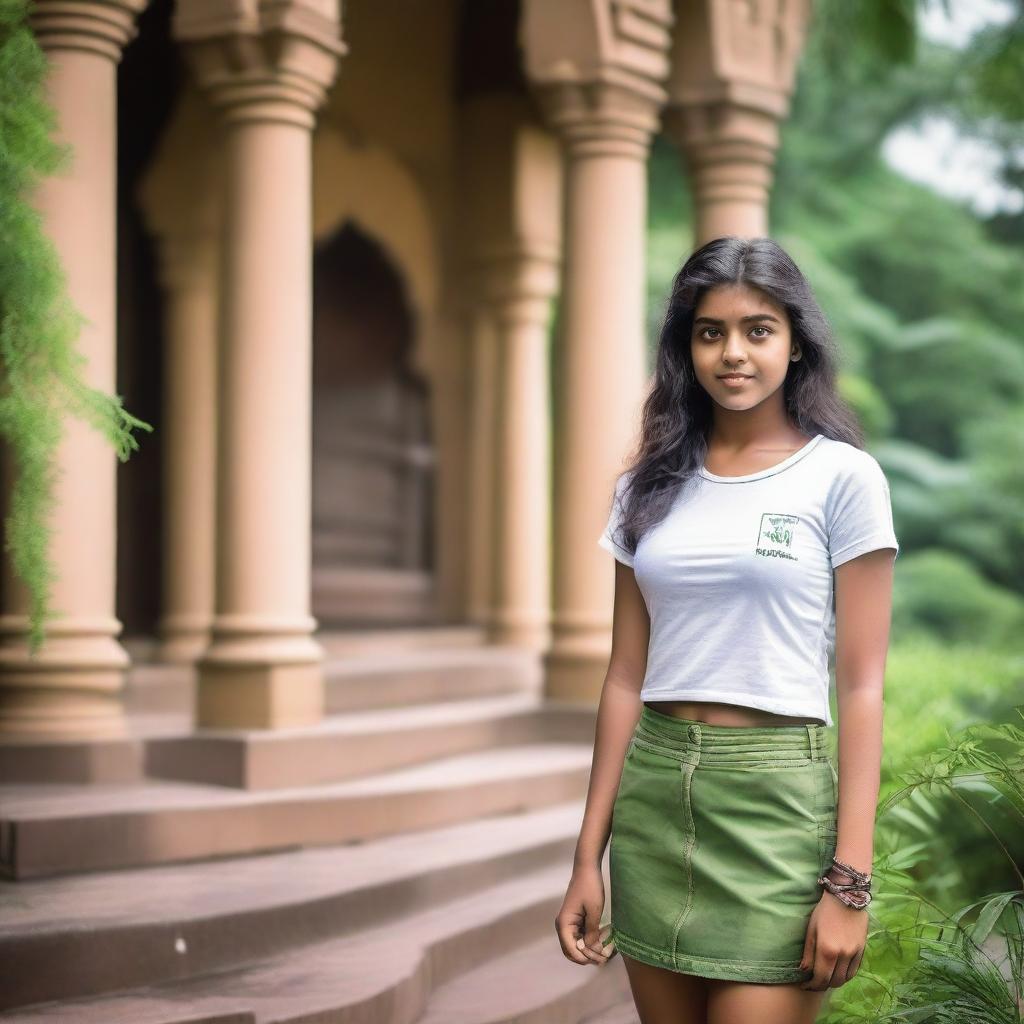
373 457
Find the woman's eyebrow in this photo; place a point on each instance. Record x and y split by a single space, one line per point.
743 319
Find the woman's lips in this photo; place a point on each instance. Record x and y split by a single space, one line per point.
735 381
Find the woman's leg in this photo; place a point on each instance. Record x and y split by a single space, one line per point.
666 997
736 1002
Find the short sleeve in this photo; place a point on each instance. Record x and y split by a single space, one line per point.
614 519
860 511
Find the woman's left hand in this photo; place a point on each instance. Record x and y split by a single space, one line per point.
834 947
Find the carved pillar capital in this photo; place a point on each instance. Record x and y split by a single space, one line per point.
729 148
599 71
266 64
602 118
741 54
519 281
103 27
733 72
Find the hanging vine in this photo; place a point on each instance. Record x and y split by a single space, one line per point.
41 373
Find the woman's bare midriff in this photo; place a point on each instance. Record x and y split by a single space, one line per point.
712 713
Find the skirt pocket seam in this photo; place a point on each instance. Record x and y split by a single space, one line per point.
825 815
690 838
645 744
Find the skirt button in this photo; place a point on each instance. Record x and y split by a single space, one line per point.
694 732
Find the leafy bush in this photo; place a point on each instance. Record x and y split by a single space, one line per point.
925 963
941 593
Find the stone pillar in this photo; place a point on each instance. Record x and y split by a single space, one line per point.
72 686
519 290
263 668
605 106
510 191
733 71
480 451
185 220
188 270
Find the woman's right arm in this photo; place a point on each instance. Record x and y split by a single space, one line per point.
617 714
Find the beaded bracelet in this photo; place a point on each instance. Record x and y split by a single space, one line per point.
855 894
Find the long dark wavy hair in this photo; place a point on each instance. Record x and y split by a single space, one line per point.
677 414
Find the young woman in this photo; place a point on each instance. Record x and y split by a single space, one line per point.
754 541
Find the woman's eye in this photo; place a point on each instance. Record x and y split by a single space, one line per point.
767 332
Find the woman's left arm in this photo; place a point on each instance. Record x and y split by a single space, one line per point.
863 587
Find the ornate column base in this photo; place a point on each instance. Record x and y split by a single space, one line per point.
575 666
527 628
264 696
260 675
71 689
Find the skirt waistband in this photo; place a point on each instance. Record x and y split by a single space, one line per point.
734 742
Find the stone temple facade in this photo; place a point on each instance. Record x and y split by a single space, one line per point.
381 265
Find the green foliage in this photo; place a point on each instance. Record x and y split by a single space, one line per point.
924 299
40 372
957 982
996 71
884 30
942 593
924 962
930 686
669 230
994 447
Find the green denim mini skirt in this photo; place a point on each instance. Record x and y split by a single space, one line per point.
718 836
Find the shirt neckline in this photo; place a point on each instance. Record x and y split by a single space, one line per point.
770 471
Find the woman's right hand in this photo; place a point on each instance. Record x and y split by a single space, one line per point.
578 920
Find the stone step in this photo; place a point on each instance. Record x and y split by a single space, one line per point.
48 830
145 648
359 743
434 958
83 936
374 642
159 701
361 677
534 984
362 670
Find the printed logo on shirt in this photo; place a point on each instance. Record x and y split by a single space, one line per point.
776 536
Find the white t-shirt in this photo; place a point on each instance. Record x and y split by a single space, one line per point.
738 577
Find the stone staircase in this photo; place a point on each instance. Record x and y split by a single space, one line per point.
403 861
